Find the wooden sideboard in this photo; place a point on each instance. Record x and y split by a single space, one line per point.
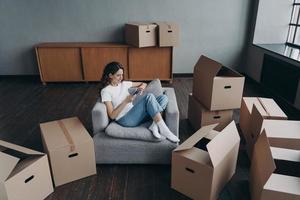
63 62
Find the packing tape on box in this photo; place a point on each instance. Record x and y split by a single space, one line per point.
264 107
67 135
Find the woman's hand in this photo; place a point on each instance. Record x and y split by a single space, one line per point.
141 88
130 98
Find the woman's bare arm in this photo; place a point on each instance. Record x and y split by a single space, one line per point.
141 85
113 113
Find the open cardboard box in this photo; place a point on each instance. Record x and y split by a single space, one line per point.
205 162
252 114
70 149
274 173
24 173
199 116
217 87
168 34
141 34
282 133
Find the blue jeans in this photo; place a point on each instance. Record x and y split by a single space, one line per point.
147 106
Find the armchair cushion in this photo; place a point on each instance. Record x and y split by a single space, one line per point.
140 132
153 87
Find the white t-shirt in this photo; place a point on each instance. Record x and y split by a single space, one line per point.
117 94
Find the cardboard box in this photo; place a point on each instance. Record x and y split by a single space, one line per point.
168 34
267 180
24 173
70 149
217 87
282 133
205 162
199 116
141 34
253 111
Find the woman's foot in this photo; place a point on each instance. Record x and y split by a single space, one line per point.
165 131
154 129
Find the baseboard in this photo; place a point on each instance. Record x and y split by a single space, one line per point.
183 75
19 76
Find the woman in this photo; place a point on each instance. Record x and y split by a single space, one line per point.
118 101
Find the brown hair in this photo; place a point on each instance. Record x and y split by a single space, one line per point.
110 68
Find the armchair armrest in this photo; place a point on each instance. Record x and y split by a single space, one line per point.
172 111
99 117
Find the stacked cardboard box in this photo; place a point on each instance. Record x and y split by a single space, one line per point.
274 172
200 116
168 34
216 91
254 111
205 162
273 144
163 34
24 173
70 149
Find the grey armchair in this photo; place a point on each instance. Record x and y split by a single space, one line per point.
111 150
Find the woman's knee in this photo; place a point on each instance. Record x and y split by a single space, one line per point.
162 100
150 97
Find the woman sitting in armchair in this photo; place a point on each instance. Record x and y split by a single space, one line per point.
118 101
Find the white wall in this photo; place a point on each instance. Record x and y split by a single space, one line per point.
215 28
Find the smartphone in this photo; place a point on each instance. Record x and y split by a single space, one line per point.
137 92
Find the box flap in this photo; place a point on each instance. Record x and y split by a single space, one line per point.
257 117
262 165
285 154
223 143
191 141
67 132
226 72
212 134
7 164
283 183
259 110
266 109
265 106
282 128
250 101
271 108
207 68
23 164
203 78
19 148
197 155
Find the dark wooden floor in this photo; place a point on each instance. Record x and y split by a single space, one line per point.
25 102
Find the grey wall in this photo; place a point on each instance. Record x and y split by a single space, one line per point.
215 28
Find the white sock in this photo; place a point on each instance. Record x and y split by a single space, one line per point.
165 131
154 129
